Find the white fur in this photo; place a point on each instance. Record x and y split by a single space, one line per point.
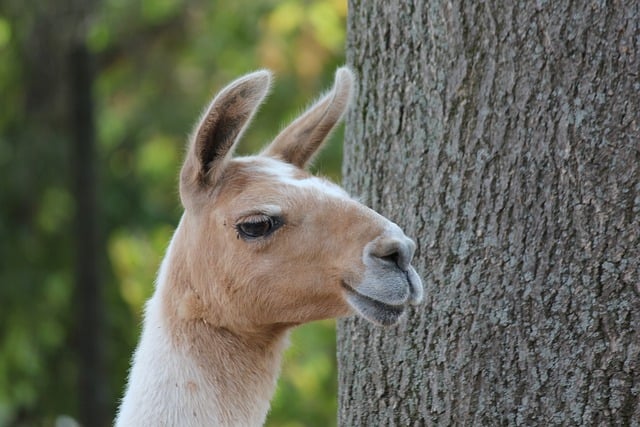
285 174
158 392
157 373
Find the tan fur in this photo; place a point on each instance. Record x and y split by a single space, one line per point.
293 277
314 126
225 302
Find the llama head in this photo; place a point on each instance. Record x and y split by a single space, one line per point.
263 242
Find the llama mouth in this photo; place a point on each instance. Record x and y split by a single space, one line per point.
372 309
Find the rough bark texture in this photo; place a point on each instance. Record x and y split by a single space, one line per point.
504 137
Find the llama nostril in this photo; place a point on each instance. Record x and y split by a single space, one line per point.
391 258
394 251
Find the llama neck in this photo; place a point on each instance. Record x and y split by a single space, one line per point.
194 373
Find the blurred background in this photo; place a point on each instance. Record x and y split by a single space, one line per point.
96 100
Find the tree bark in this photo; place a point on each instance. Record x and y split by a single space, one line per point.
504 137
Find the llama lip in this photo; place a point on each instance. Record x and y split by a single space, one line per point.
371 309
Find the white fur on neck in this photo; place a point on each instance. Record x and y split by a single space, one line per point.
167 387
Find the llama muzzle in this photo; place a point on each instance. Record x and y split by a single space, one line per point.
390 283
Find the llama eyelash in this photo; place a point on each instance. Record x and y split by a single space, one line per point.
257 226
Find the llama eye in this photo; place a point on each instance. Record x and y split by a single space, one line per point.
259 226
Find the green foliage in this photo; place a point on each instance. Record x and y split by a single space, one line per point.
157 63
307 387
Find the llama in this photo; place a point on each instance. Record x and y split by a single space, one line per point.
262 246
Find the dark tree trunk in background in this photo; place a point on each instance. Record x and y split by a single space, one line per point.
90 331
505 138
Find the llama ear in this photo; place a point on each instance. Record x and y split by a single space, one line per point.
219 128
299 141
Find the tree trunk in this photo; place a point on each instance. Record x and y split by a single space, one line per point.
505 139
92 396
